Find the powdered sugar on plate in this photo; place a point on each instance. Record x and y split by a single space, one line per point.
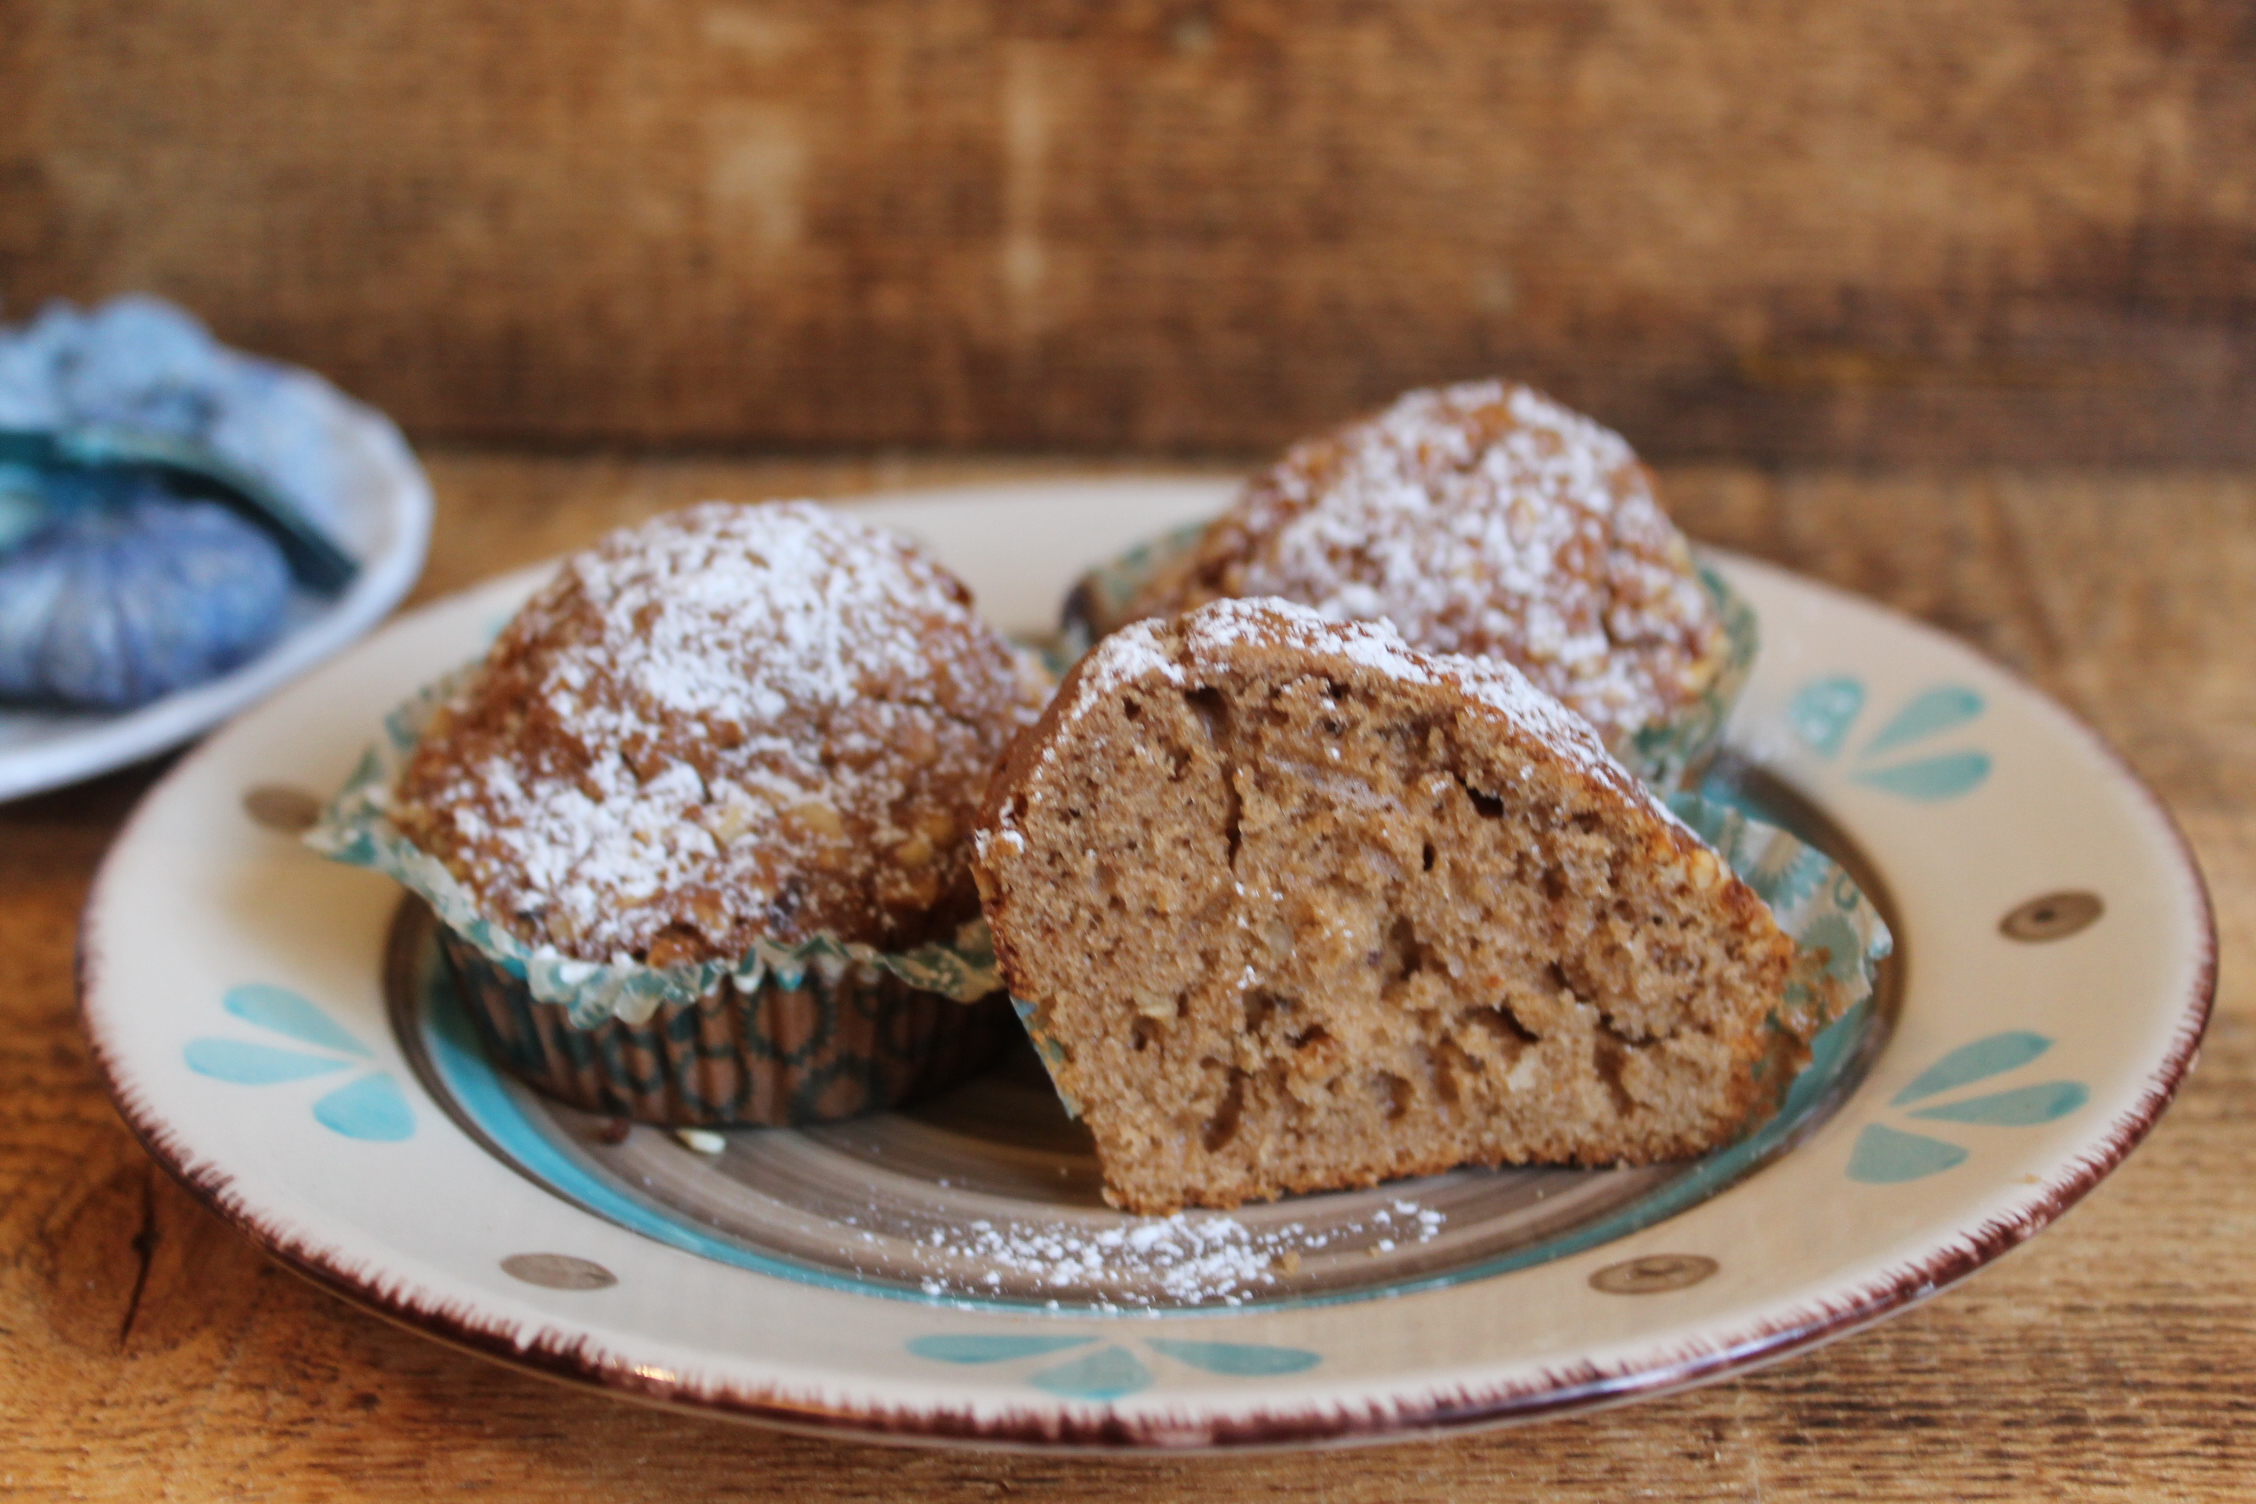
1189 1259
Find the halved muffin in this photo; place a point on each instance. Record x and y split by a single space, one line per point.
1294 907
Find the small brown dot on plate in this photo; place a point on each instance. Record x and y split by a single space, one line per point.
2054 916
558 1271
278 806
614 1132
1653 1274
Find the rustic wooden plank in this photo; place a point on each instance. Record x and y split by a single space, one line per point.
151 1351
1747 228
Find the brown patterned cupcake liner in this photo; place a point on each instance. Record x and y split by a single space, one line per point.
859 1041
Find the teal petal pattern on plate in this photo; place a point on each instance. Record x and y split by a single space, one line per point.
1932 778
1237 1360
976 1349
1992 1055
1113 1370
1888 1156
2020 1108
1935 711
1822 713
1106 1374
241 1064
283 1011
371 1108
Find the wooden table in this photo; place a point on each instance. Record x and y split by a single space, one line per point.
150 1352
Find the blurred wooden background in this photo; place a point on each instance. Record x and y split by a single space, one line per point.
1934 229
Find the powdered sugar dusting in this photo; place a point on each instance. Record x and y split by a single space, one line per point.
822 605
1484 519
1137 652
1189 1259
717 723
1376 645
1142 653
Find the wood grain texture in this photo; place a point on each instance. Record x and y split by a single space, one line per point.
150 1352
1750 228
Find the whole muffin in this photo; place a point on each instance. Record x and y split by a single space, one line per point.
1482 519
736 731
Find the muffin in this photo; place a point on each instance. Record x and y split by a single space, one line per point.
708 802
1482 519
1293 907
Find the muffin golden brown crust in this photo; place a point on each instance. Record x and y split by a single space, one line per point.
1299 908
1482 519
732 723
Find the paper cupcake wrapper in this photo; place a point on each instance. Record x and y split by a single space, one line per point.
1098 603
822 1050
1669 754
1675 753
357 829
1838 934
1839 937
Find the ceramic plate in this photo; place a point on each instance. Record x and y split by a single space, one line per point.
276 1031
385 524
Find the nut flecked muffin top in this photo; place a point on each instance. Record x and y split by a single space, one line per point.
1482 519
733 723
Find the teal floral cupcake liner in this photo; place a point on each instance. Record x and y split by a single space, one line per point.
1676 753
1670 754
1838 934
795 1033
